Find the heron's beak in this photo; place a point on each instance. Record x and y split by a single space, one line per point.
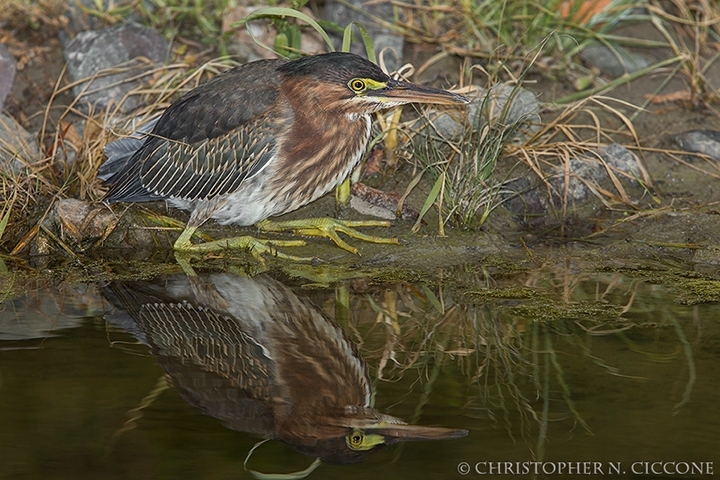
408 433
404 92
387 434
380 429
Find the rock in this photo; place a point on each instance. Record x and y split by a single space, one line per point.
524 109
589 170
7 74
387 44
124 45
377 203
242 44
573 184
614 62
622 160
449 125
388 49
706 142
78 225
81 15
18 148
525 197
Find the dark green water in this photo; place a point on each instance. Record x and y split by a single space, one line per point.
606 370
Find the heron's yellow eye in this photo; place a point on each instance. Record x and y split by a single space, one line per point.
358 441
357 85
355 440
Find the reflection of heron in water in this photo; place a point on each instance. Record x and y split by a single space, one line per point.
250 352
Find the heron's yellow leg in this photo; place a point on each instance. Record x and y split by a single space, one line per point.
256 246
342 193
329 228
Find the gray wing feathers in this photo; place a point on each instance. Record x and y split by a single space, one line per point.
209 168
119 152
205 144
205 337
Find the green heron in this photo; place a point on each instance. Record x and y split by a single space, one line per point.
258 141
252 353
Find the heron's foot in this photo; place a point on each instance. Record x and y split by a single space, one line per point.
256 246
330 227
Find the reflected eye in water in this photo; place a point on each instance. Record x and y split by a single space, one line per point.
355 440
359 441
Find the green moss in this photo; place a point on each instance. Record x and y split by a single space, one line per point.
693 291
552 311
511 293
689 287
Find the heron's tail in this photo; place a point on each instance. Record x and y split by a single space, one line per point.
119 152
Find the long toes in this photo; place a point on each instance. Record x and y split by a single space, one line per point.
351 232
268 247
330 228
364 223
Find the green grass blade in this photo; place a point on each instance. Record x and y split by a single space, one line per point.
432 196
5 217
366 38
289 12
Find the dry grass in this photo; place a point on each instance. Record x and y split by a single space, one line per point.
75 138
570 136
692 31
590 119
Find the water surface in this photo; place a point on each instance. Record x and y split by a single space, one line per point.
601 371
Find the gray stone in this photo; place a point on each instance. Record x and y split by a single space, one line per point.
82 15
524 106
589 171
706 142
573 183
79 225
622 160
7 74
614 62
388 49
92 52
18 148
245 43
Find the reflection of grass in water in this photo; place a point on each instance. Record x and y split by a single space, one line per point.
638 303
506 365
522 365
687 349
511 355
